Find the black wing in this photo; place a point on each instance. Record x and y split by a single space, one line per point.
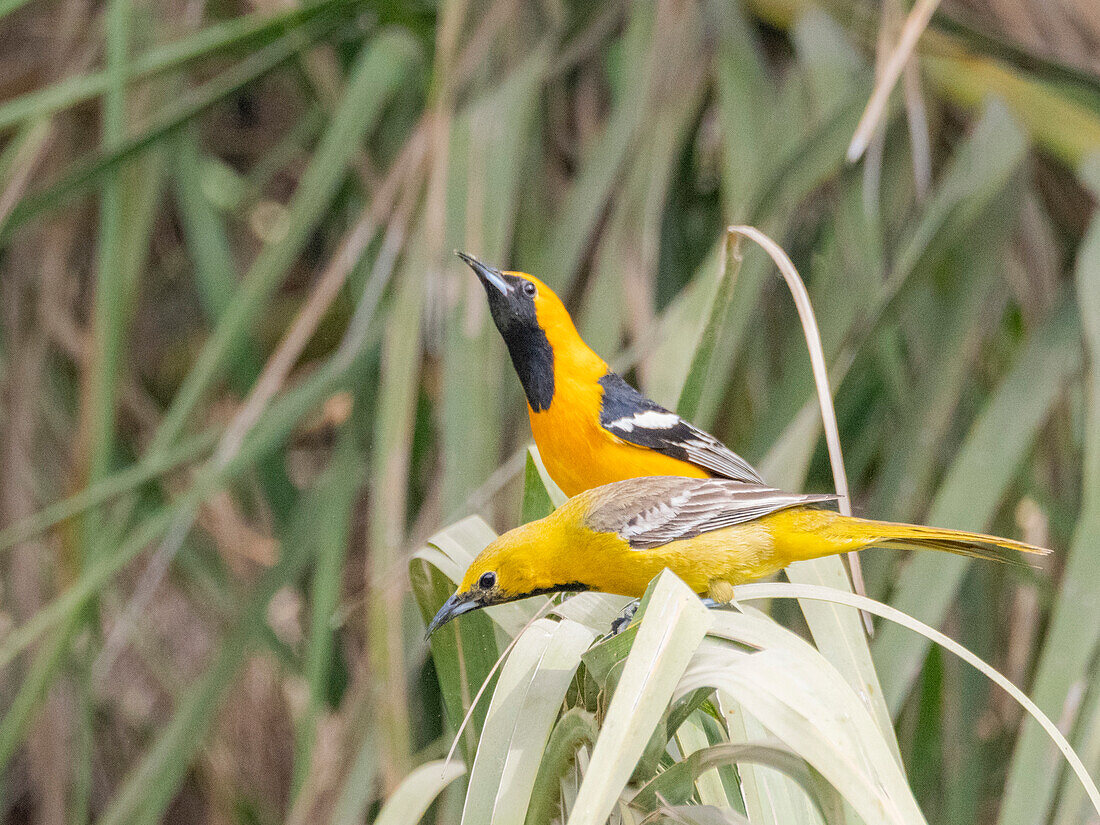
635 419
650 512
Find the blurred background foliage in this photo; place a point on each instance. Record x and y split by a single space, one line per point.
244 378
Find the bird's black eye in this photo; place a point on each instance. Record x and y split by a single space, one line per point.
529 289
487 580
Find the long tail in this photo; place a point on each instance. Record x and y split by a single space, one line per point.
809 533
960 542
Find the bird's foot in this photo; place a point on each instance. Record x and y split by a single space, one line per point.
625 617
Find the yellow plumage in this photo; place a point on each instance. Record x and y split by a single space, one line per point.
649 490
713 533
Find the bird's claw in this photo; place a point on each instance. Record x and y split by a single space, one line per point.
625 617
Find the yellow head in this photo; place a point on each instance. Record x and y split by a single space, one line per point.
537 329
521 563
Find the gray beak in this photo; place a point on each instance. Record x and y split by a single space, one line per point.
487 274
458 604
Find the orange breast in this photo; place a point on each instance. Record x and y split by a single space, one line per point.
580 455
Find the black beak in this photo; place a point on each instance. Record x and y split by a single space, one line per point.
487 274
458 604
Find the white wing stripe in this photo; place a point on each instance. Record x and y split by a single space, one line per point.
648 420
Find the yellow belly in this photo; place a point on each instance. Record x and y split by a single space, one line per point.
711 562
580 455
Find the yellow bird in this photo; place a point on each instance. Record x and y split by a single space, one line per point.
712 533
591 427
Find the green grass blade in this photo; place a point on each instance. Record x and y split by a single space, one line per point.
1073 802
103 491
9 6
117 273
390 460
115 283
378 71
486 172
698 372
185 109
20 156
579 214
208 245
691 738
323 519
900 619
676 785
218 37
973 488
670 629
536 500
575 729
329 554
903 481
358 789
979 172
1074 632
626 282
1067 129
36 680
743 93
525 703
418 791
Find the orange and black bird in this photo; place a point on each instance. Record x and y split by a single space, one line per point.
591 427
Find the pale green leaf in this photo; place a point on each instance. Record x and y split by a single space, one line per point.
670 629
525 703
417 792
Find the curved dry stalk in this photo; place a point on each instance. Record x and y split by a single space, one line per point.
915 25
915 111
821 381
921 144
789 590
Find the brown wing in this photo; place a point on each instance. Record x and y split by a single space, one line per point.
650 512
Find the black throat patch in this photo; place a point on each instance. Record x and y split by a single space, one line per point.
533 358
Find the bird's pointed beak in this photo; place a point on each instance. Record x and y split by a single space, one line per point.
487 274
458 604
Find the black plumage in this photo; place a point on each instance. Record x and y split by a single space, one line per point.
637 420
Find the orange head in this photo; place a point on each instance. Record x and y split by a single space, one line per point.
536 327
